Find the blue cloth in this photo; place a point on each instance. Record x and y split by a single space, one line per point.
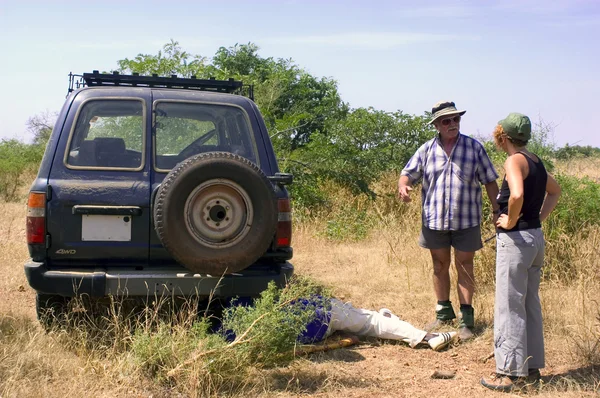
316 329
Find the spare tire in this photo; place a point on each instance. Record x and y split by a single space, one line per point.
216 213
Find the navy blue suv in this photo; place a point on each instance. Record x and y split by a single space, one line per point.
157 185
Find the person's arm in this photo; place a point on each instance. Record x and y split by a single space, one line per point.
404 188
487 176
411 172
514 167
552 195
491 188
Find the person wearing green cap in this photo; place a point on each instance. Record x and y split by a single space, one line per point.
527 196
452 166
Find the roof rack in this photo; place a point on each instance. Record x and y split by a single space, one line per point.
135 80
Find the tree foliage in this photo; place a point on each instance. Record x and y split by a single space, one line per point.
16 159
294 103
364 145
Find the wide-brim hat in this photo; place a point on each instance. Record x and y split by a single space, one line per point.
445 108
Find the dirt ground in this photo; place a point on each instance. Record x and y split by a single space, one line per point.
372 368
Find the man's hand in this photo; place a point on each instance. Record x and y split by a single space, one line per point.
404 192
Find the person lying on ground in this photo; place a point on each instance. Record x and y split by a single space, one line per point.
336 315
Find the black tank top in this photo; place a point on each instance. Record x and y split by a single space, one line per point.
534 192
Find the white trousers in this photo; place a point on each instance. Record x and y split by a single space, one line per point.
346 318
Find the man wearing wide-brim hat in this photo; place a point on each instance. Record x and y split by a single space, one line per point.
452 167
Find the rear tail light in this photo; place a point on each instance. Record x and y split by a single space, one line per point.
283 237
36 218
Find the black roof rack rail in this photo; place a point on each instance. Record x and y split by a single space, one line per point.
135 80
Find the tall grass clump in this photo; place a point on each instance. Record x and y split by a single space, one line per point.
576 215
181 346
251 337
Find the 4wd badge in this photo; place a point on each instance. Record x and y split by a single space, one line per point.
65 251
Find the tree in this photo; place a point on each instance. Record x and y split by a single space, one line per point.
40 126
363 146
294 103
171 60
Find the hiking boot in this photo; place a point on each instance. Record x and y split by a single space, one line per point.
467 322
465 333
504 383
441 340
438 324
444 314
534 376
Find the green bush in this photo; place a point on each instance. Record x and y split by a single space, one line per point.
578 207
16 159
348 224
272 324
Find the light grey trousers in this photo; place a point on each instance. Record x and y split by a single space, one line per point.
518 331
363 322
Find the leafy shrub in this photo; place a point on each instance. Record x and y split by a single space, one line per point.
348 223
576 151
16 159
305 192
578 207
270 327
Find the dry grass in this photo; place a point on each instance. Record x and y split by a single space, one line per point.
386 270
580 167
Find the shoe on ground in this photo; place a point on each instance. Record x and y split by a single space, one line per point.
534 376
467 317
503 383
465 333
437 325
441 340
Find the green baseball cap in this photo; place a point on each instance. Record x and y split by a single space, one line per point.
516 125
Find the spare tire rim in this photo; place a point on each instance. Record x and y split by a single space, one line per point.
219 213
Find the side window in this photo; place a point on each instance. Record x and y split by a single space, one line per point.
108 134
184 129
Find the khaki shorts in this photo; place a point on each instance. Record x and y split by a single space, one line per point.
465 240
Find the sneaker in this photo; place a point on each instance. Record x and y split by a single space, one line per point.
465 333
504 383
441 340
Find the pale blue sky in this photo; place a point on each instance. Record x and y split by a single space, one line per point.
540 58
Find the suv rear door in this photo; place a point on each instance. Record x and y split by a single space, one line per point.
98 209
186 123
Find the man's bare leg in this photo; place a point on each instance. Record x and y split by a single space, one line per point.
466 276
466 287
441 273
441 285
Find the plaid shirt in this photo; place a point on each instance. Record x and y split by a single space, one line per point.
451 190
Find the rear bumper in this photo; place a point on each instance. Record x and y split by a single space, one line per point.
124 281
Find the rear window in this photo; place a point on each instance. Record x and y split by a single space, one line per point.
184 129
108 134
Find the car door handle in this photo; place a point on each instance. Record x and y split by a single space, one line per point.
108 210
